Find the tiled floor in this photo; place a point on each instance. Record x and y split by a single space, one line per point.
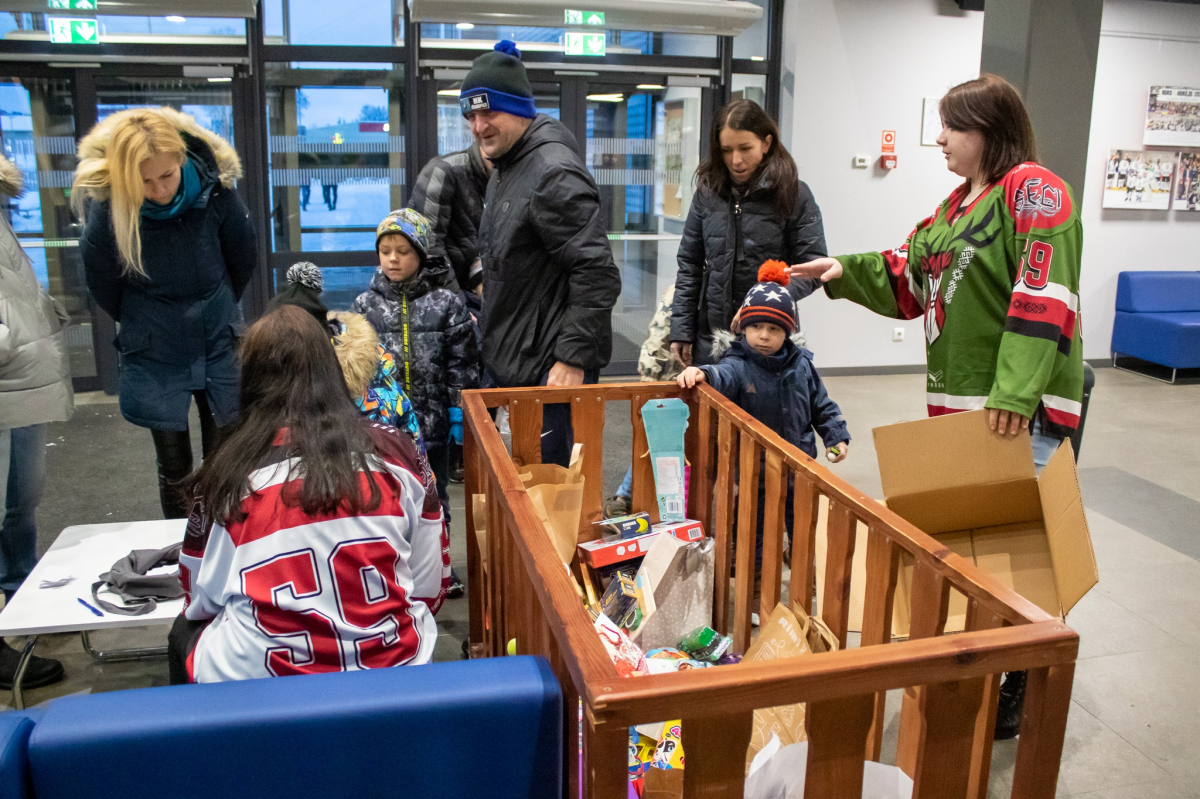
1136 703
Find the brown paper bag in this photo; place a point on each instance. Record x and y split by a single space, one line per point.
479 508
786 634
662 784
557 495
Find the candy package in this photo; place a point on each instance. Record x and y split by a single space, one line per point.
641 752
619 601
669 752
623 652
623 526
706 644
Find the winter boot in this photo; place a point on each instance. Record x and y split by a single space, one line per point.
1008 710
39 673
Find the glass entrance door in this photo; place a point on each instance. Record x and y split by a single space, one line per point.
643 146
37 133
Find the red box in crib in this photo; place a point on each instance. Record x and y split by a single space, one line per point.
598 554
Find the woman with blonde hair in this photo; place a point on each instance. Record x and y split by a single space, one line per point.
168 249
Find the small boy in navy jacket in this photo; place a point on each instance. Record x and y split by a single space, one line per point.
773 379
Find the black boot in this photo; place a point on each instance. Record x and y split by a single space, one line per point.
39 673
456 589
1008 710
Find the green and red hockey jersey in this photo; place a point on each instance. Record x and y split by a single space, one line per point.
997 283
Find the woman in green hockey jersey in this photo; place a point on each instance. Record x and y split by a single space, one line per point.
994 272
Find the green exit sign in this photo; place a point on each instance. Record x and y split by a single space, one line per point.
64 30
72 5
592 44
574 17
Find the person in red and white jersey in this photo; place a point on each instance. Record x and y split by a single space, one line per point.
316 541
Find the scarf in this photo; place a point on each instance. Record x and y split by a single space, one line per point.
189 191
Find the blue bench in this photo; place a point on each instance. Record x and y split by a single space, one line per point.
1158 319
475 728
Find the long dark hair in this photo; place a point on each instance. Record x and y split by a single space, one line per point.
992 106
777 166
291 379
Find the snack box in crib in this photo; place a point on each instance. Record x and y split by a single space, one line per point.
598 554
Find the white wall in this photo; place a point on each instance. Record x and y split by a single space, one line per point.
1141 44
860 67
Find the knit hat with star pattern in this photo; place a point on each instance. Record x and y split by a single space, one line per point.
769 300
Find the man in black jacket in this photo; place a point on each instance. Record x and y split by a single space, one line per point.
449 193
549 281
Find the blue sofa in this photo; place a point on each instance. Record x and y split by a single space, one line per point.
467 729
1158 318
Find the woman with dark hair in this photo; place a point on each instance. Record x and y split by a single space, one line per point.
315 541
750 207
995 273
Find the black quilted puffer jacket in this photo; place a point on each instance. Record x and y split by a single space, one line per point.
424 323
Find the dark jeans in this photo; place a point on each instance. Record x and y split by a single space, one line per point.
180 643
173 450
22 481
439 462
558 436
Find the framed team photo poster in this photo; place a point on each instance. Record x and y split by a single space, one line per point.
1173 117
1139 180
1187 183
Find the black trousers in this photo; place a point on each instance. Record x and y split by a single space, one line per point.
180 643
173 451
439 462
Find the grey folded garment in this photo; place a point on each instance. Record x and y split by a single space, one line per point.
140 593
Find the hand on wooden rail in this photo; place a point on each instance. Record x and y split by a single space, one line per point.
690 377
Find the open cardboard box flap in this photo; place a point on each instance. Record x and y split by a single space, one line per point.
979 494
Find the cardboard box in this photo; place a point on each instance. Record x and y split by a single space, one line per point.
979 494
598 554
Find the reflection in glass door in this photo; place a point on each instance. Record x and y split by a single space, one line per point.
37 133
643 146
336 155
210 101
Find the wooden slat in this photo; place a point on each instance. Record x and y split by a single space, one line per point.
723 523
1043 727
525 422
605 759
837 735
948 711
774 516
804 543
572 773
715 748
980 618
930 602
839 565
835 674
644 498
700 492
587 417
747 534
883 562
495 596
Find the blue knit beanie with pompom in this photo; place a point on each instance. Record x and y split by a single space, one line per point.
497 82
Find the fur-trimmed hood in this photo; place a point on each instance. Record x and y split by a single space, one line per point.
357 348
723 340
12 181
95 146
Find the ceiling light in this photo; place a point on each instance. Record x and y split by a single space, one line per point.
650 86
757 58
219 80
606 98
465 26
178 20
449 93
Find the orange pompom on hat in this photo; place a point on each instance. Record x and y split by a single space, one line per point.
769 300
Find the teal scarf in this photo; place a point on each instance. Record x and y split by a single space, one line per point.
185 197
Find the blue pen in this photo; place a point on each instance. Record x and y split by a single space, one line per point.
88 605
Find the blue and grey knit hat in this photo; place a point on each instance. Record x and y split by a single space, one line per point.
409 224
497 82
